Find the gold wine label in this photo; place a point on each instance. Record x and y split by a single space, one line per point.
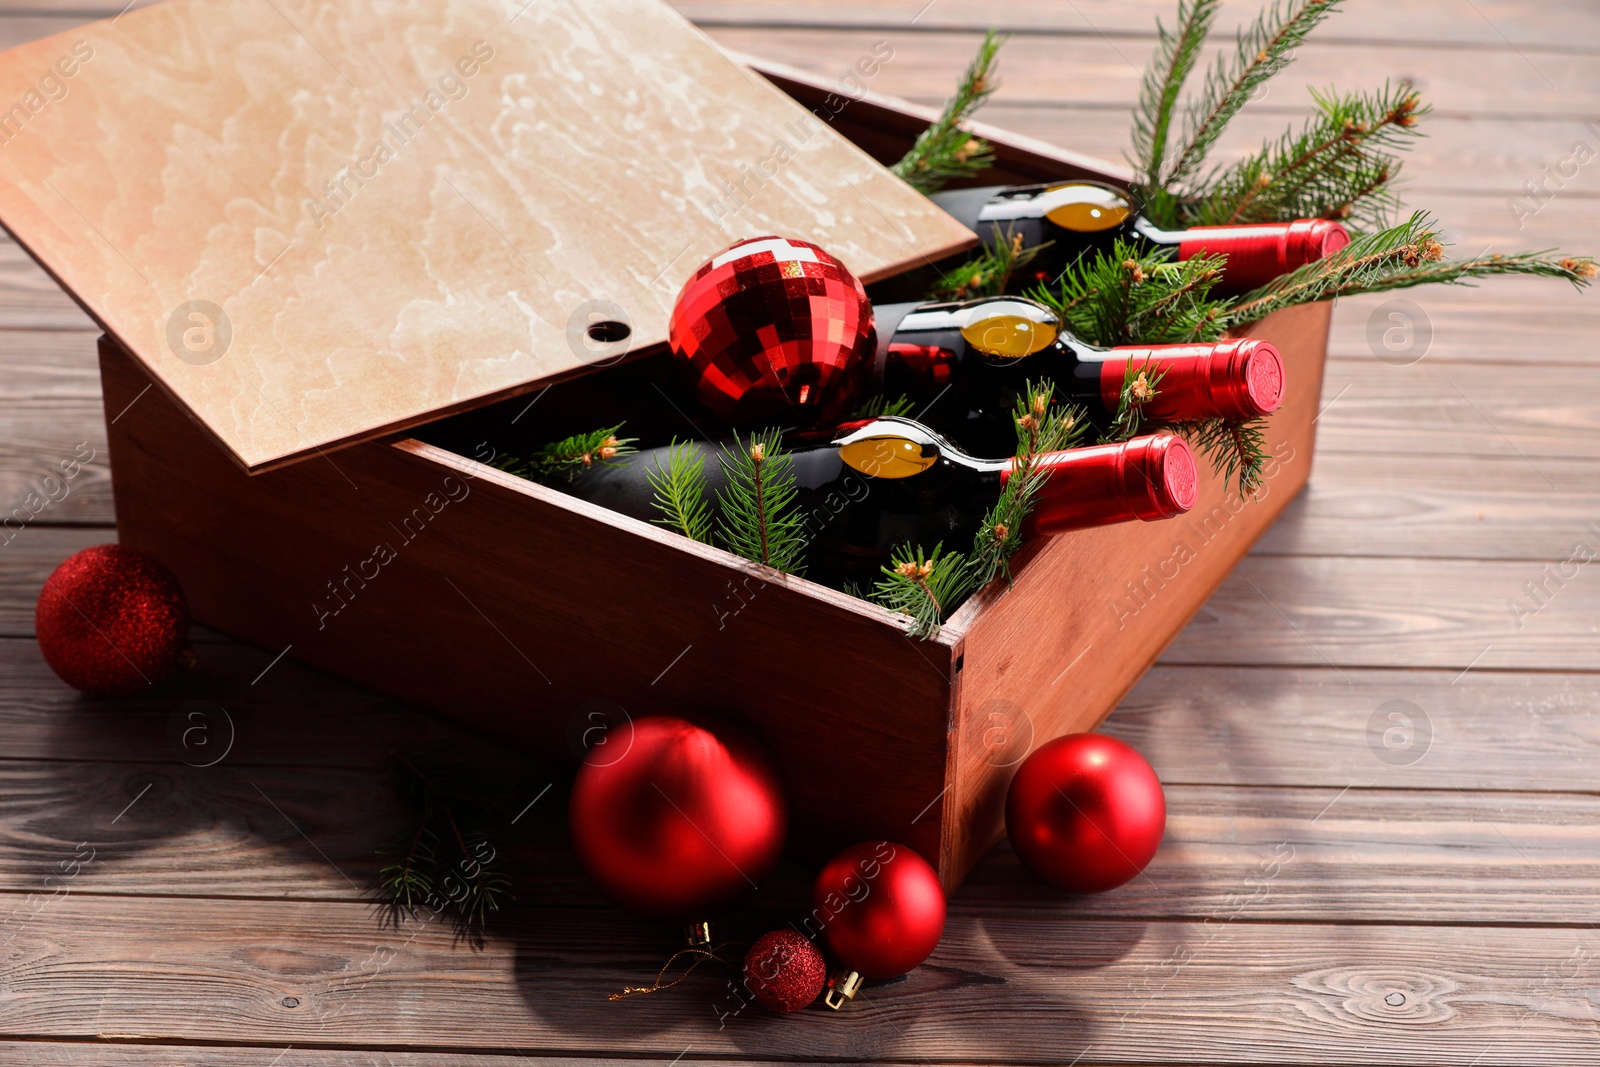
889 457
1010 329
1085 208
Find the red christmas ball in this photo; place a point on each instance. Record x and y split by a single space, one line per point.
1085 813
784 971
773 331
881 908
111 621
677 819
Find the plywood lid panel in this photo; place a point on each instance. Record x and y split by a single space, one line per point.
409 208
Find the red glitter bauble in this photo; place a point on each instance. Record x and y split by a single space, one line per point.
773 331
1085 813
677 819
881 908
111 620
784 971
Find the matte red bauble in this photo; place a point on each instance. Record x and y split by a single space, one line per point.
773 331
111 621
1085 813
784 971
676 819
880 908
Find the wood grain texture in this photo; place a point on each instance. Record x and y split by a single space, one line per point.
438 206
1112 991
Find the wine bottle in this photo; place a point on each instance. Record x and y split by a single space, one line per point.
1081 216
885 482
981 354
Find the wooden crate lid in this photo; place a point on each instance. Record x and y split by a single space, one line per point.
407 210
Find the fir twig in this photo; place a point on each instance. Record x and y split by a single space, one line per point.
1138 296
1339 165
680 491
1176 52
989 272
1397 258
761 519
944 150
1237 450
447 860
1260 51
572 456
1139 386
878 405
924 586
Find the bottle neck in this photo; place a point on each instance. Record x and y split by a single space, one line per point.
1148 478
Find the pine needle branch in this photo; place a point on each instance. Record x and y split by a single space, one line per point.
1339 165
1237 450
758 506
878 405
572 456
1177 51
1140 385
989 272
1260 51
944 150
1138 296
680 491
1399 257
924 586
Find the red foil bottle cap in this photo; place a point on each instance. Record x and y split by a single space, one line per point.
1238 379
1149 478
1259 252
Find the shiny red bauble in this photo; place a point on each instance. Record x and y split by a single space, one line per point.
111 621
784 971
1085 813
773 331
677 819
880 908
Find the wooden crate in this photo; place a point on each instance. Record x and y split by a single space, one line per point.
524 612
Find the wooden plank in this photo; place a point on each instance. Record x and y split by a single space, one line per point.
1359 855
1093 989
1315 612
1481 730
1097 71
1494 24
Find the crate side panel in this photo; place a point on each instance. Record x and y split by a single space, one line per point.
521 616
1092 610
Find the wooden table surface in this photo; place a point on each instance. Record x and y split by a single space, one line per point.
1337 885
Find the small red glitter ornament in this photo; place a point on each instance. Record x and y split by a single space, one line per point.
881 910
1085 813
111 620
784 971
773 331
677 819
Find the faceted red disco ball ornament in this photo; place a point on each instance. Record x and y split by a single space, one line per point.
111 621
1085 812
773 332
678 820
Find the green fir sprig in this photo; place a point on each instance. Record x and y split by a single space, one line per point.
1140 385
944 150
878 404
1236 450
1399 257
571 456
989 272
1135 295
1341 164
925 585
447 860
759 514
1260 51
1177 51
680 491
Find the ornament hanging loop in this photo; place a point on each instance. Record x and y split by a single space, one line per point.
843 985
